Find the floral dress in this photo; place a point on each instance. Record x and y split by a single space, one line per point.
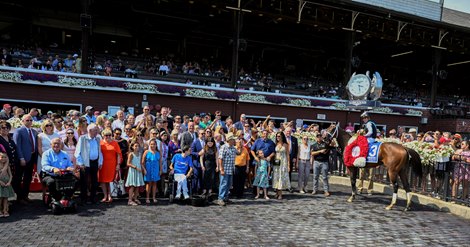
261 179
281 172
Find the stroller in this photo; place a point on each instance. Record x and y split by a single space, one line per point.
60 198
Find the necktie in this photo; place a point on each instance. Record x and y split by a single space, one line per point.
31 138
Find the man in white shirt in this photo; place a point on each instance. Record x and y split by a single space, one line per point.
119 122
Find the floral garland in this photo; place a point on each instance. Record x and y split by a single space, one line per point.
383 110
253 97
140 86
339 106
310 135
355 153
414 112
394 140
300 102
76 81
199 93
428 153
11 76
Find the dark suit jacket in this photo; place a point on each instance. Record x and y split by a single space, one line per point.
23 143
294 148
196 147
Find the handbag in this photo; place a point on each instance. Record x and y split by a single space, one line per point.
277 162
117 186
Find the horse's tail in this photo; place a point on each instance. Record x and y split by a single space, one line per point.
415 161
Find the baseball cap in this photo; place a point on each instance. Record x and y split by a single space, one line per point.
49 112
6 106
75 55
458 136
305 126
88 108
444 139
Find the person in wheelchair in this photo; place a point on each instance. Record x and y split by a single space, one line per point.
56 163
182 167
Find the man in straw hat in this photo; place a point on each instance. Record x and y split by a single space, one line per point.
227 154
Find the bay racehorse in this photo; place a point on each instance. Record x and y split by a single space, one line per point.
393 156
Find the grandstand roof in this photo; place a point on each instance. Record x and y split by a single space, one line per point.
456 17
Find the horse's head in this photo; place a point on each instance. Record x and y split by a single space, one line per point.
332 132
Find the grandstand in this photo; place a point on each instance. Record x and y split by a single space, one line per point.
304 48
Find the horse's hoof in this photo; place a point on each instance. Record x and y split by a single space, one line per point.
406 209
351 199
389 207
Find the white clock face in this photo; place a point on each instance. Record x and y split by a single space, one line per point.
359 85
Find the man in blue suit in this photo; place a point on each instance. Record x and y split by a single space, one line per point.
196 148
26 139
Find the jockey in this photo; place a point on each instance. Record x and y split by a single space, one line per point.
370 128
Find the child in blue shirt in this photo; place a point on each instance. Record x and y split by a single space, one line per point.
182 167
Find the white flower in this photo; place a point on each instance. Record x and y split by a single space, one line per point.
340 106
414 112
253 98
71 81
11 76
15 122
383 110
200 93
140 86
300 102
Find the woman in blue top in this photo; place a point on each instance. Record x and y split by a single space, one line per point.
152 163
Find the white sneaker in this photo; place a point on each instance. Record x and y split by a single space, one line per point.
178 196
302 192
186 197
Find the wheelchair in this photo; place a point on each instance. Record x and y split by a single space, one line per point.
59 198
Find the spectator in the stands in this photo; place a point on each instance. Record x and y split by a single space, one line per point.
90 118
34 114
61 68
164 70
55 62
78 63
68 62
6 56
19 63
3 62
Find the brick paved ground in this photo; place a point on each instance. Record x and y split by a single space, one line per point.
299 220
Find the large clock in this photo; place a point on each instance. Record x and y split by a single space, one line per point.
359 86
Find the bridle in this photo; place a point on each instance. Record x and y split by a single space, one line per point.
335 132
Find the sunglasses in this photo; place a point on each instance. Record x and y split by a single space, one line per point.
4 127
117 133
28 120
70 133
127 129
48 125
139 135
108 135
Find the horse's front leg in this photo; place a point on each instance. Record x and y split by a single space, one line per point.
394 182
353 177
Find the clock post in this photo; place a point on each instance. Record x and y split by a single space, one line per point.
364 92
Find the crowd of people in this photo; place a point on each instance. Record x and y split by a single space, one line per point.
213 155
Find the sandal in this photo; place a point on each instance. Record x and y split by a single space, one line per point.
131 203
110 200
137 202
104 200
267 198
6 214
155 201
147 202
256 197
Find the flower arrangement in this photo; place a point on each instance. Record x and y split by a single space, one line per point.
75 81
11 76
383 110
200 93
339 106
300 102
140 86
310 135
393 140
253 97
16 123
425 151
414 112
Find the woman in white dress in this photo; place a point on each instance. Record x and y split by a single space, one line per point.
281 165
